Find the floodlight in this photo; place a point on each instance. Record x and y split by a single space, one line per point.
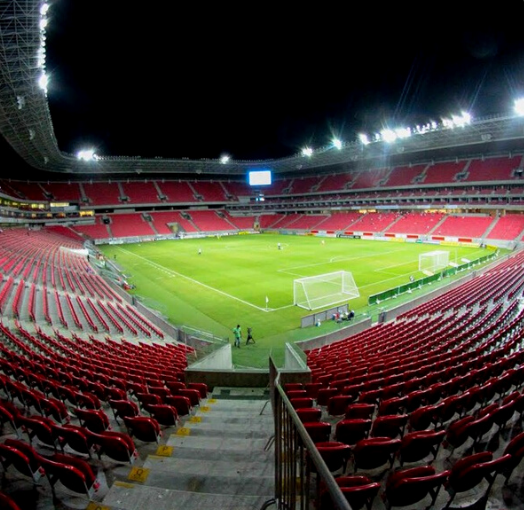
461 120
519 106
388 135
224 159
86 155
42 82
403 132
40 57
364 139
457 120
307 151
337 143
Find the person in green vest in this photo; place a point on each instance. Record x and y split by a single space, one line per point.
237 332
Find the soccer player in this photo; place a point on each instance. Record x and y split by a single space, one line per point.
279 246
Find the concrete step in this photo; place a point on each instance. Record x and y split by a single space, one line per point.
224 444
235 429
124 496
218 461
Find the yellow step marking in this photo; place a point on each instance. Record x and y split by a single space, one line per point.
126 485
138 474
164 451
96 506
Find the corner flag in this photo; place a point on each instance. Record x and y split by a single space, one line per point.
267 300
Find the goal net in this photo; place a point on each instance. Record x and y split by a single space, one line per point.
433 261
324 290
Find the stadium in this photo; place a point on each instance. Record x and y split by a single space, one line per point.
382 279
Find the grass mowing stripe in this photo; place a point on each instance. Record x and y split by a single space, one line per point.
175 273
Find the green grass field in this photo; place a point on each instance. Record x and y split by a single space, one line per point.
228 282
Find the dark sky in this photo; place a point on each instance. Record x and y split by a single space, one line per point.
259 81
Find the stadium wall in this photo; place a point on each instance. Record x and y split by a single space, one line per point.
335 336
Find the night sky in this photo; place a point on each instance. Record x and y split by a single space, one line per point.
259 81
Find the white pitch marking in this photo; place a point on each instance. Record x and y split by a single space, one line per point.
174 273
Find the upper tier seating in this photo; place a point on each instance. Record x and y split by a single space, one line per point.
143 192
176 191
404 176
238 189
279 187
25 190
370 178
209 191
64 192
10 188
337 182
493 169
442 173
102 193
304 185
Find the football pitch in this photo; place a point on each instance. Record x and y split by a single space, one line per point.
212 284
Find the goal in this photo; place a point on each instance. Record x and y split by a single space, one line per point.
324 290
433 261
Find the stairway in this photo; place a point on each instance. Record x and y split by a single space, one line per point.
217 460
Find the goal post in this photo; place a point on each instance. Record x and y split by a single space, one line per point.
324 290
433 261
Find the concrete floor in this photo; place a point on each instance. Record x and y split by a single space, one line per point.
217 459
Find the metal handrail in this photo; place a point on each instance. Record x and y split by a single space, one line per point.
300 471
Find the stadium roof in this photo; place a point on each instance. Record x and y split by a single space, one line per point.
26 124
